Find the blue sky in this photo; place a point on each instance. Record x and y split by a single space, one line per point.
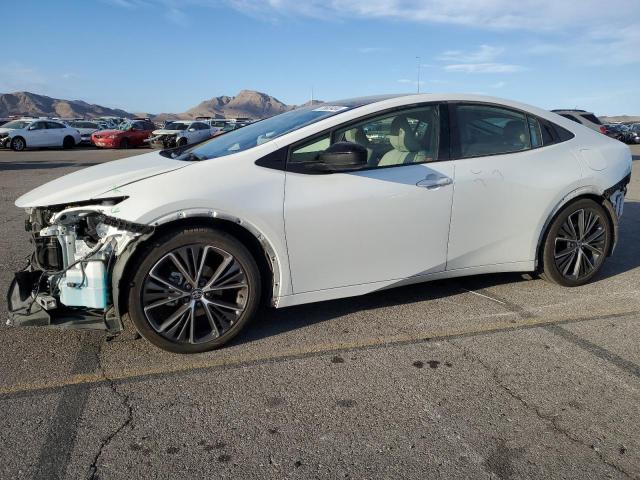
168 55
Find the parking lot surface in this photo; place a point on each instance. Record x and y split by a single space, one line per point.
484 377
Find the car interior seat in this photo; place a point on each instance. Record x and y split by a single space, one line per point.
406 148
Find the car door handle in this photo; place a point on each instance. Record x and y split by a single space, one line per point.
433 183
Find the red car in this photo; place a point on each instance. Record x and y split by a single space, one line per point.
128 134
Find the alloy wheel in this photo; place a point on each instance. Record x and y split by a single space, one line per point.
18 144
580 244
195 294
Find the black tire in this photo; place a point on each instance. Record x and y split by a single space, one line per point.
68 142
18 144
182 142
142 287
124 143
573 260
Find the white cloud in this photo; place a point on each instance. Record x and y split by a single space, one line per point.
484 54
496 14
17 77
484 68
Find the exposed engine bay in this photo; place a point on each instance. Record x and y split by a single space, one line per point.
166 140
66 281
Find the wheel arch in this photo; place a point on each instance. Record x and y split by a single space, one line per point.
257 244
568 200
21 138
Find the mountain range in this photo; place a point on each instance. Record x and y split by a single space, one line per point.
247 103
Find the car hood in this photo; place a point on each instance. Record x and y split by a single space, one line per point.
6 130
162 131
110 132
101 181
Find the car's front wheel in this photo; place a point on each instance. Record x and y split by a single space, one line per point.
576 244
193 290
18 144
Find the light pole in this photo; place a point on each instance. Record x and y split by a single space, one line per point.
418 60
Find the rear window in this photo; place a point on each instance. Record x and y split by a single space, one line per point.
591 117
570 117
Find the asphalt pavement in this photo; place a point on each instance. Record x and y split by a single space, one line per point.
494 376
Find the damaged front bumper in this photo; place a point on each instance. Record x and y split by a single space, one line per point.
67 282
163 141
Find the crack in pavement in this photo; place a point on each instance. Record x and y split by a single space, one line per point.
550 419
126 402
56 450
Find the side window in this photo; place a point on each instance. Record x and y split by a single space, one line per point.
309 151
398 138
39 126
54 125
488 130
534 132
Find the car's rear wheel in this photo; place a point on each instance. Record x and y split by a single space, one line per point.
68 142
124 143
18 144
576 244
193 290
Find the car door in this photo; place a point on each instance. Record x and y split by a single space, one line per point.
387 221
37 134
55 134
137 133
508 175
202 132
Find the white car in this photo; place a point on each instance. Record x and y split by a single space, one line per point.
86 129
583 117
29 132
322 202
181 133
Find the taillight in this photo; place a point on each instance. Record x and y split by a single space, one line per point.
603 129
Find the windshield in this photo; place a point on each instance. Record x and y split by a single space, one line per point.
16 124
83 125
260 132
175 126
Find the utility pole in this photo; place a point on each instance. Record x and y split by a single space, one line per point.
418 60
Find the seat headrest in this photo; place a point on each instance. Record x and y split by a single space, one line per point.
356 135
515 133
401 136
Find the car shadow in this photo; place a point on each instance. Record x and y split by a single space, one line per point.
276 321
37 165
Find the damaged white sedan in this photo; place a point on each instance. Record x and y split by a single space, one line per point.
322 202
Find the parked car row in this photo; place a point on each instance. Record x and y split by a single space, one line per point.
110 132
625 132
28 132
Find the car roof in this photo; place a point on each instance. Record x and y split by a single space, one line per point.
573 111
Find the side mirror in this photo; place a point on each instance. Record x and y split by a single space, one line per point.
342 157
192 130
